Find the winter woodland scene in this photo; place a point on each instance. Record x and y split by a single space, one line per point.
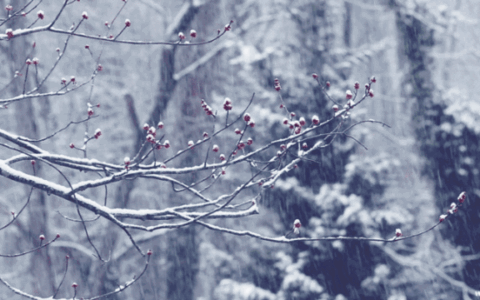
242 150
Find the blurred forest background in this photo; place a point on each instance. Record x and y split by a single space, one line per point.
424 58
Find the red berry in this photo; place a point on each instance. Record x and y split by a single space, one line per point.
193 33
222 157
41 14
87 46
285 121
32 162
90 111
282 106
205 135
302 121
298 130
461 197
304 146
296 124
283 147
160 125
234 152
238 131
249 141
297 223
278 88
74 285
370 93
166 144
58 235
314 75
98 133
315 120
190 144
28 62
41 237
241 145
398 232
246 117
181 36
373 79
356 85
348 94
9 7
72 145
72 79
227 104
85 15
146 126
251 123
99 68
152 131
327 84
215 148
128 23
227 27
126 160
335 108
9 33
149 252
292 114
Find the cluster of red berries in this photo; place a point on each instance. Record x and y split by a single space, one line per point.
152 133
208 110
90 111
454 206
193 34
368 86
98 133
34 61
298 124
277 85
249 120
227 104
228 26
